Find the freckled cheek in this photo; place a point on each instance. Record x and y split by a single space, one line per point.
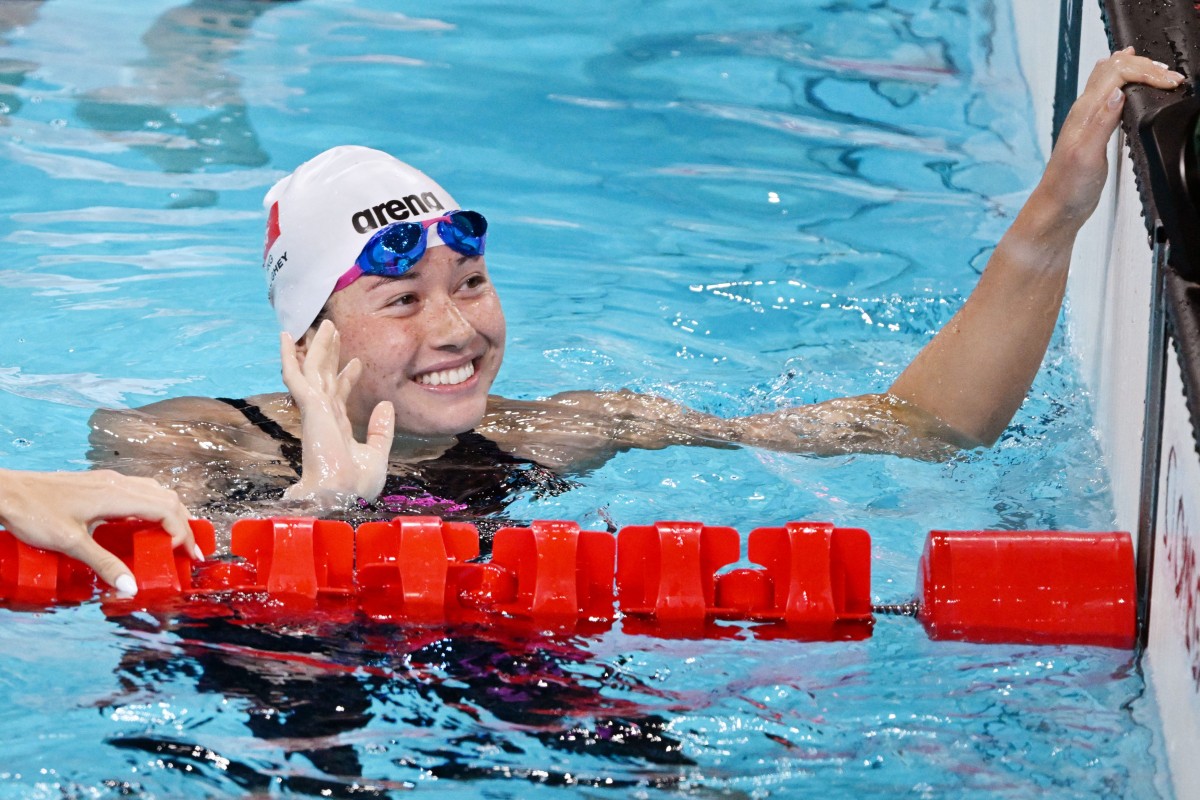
488 319
383 362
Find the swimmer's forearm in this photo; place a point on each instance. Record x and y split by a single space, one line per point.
872 423
977 370
616 421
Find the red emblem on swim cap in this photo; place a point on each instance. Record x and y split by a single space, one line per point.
272 228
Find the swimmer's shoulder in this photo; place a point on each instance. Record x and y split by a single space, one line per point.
168 429
195 409
208 412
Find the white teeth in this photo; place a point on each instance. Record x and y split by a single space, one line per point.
447 377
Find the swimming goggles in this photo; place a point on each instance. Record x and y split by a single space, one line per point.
393 250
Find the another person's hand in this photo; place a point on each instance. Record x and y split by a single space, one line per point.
1078 166
57 511
337 466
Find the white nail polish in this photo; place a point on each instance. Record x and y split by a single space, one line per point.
1115 98
1159 64
199 553
126 586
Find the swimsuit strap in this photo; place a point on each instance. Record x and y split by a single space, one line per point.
289 446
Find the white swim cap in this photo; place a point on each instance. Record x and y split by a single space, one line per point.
320 217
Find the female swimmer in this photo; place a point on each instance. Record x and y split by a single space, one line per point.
392 335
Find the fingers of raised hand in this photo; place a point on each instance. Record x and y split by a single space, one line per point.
372 459
320 361
1125 66
347 378
292 374
1095 115
310 372
381 428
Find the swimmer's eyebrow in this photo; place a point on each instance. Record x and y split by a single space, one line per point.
377 281
470 261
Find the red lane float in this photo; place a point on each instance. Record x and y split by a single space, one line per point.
146 549
422 568
809 580
411 567
559 571
302 566
1036 587
804 580
32 576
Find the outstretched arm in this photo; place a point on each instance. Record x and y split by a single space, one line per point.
962 389
976 371
578 431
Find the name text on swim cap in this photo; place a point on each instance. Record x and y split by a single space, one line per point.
272 268
275 266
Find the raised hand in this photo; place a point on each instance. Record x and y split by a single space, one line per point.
1078 166
337 467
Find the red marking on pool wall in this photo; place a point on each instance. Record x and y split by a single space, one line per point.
1177 546
1029 587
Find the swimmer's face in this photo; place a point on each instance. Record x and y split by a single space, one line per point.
431 341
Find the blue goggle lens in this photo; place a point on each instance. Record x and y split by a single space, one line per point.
395 249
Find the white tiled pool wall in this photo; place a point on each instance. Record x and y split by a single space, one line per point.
1109 320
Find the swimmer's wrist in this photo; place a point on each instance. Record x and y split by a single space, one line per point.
301 492
318 498
1066 196
1043 233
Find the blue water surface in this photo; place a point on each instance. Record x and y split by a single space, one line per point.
740 206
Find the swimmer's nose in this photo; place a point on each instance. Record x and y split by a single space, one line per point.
451 330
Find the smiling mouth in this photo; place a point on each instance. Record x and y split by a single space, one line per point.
447 377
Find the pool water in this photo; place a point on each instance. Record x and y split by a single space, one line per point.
740 207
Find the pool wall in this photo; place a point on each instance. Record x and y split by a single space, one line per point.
1113 329
1109 288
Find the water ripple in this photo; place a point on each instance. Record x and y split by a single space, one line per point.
81 389
64 167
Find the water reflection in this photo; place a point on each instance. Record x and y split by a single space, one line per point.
14 14
449 704
184 93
